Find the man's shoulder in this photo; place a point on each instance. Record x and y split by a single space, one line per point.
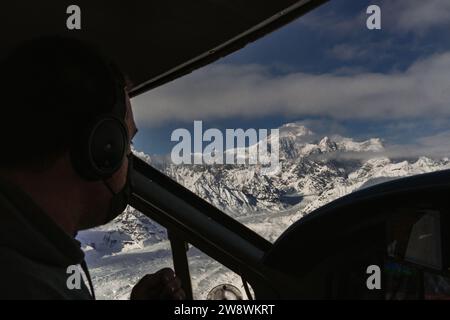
23 278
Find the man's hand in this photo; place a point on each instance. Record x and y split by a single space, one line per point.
162 285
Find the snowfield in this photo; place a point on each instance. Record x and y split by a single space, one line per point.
315 171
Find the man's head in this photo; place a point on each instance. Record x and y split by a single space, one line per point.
52 90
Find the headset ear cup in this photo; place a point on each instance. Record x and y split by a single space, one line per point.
101 149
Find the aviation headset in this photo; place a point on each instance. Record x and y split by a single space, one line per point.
100 148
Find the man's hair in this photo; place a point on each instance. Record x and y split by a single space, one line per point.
50 88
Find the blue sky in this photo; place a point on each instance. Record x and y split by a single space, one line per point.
327 70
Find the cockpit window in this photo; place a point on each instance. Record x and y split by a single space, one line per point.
324 107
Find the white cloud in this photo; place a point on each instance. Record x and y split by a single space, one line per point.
437 145
223 91
326 19
397 16
417 15
348 52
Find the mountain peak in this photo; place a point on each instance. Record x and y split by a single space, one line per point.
295 129
327 145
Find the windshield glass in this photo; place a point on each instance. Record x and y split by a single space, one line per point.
353 106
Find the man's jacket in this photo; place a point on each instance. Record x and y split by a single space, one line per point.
34 252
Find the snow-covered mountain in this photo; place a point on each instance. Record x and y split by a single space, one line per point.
315 170
319 168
